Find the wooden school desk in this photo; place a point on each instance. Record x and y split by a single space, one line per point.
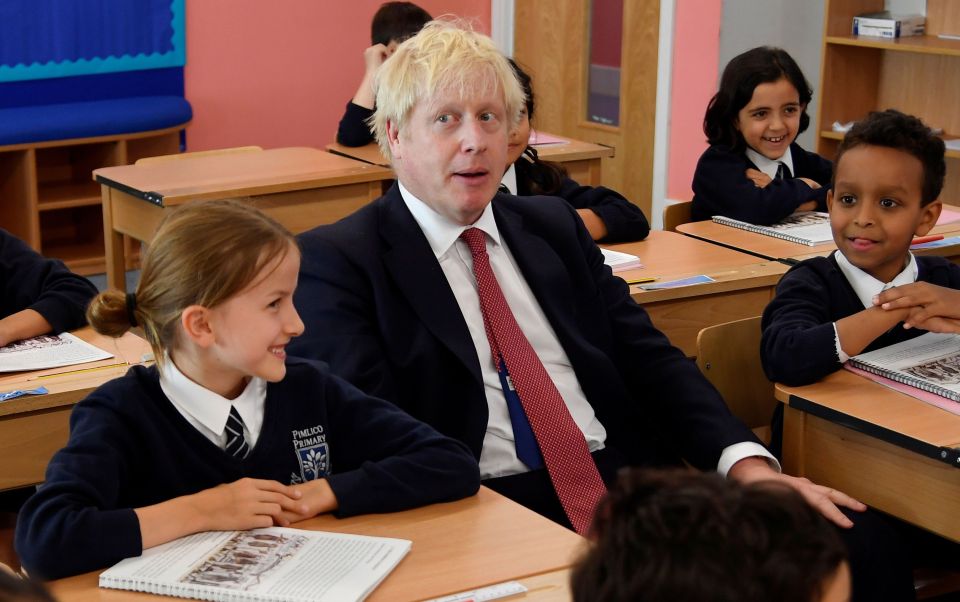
885 448
459 546
33 427
744 284
299 187
581 159
770 248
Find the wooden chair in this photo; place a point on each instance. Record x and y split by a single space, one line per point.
676 214
8 555
729 356
216 151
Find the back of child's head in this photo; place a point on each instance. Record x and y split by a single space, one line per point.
761 65
681 536
906 133
397 21
203 253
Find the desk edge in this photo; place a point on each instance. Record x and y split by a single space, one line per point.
946 455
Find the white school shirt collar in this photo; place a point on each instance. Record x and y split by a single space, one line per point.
510 179
441 232
204 408
866 286
769 166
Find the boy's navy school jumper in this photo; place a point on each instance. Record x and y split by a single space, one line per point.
721 187
31 281
129 447
353 129
625 221
798 346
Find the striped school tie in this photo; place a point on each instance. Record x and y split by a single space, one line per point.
783 172
236 442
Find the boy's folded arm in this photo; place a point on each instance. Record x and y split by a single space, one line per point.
798 344
858 330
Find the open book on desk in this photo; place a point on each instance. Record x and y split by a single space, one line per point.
929 363
276 564
48 351
804 227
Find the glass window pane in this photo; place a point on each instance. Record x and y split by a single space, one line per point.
606 39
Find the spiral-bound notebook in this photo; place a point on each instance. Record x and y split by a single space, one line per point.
276 564
930 362
804 227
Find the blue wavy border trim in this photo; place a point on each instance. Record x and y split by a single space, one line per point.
175 58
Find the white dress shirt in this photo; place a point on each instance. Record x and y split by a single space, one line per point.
207 411
498 456
510 179
867 287
770 166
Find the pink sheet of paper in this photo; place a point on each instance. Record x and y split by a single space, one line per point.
541 139
941 402
948 217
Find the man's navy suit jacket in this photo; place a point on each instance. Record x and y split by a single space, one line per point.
378 308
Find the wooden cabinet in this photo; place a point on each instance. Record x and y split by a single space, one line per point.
49 199
916 75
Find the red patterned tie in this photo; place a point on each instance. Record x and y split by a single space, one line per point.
565 453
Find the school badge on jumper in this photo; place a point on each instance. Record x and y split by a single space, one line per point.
313 453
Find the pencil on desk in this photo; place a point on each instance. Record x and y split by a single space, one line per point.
919 240
641 280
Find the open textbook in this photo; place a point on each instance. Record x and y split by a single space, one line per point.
804 227
930 362
275 564
48 351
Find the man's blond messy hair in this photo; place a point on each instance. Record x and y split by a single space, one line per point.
445 56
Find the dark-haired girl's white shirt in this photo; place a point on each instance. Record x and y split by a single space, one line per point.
770 166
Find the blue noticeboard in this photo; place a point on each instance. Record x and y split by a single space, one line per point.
59 38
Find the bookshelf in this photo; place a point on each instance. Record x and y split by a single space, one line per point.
916 75
48 197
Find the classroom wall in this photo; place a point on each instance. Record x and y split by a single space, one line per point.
696 41
279 74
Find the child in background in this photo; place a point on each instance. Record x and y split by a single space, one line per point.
393 23
753 170
889 173
668 536
39 295
225 432
607 215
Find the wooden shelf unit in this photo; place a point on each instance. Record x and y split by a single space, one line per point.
49 199
917 75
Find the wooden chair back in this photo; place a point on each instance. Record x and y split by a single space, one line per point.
216 151
729 356
676 214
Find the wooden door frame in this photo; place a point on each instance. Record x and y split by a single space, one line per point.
555 34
